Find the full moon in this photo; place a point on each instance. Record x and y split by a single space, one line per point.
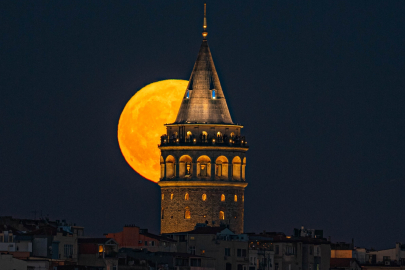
142 123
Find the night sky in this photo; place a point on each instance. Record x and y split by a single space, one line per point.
319 88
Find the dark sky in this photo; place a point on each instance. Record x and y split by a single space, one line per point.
319 87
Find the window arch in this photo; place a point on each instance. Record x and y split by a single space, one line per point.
187 214
203 166
204 197
236 167
189 135
235 198
185 168
170 167
221 215
204 136
186 197
221 167
162 167
243 168
222 197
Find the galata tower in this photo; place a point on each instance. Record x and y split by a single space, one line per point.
202 156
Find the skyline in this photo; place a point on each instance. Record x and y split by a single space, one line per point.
316 86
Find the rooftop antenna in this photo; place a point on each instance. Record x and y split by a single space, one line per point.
205 33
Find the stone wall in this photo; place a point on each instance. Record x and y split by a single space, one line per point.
174 205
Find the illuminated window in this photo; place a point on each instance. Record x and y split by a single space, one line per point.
232 134
213 94
100 249
188 94
171 196
219 134
163 196
188 134
187 197
243 198
188 169
187 214
222 198
204 197
221 215
235 198
203 170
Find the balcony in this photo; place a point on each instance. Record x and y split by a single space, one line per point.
237 141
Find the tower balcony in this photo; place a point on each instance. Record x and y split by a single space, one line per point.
237 141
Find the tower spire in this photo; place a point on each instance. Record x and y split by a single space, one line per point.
205 33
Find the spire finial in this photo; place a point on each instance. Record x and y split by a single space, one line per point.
205 33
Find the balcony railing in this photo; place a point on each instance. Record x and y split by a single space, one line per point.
238 141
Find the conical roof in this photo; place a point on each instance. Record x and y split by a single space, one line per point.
204 101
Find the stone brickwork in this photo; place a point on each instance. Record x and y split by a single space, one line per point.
174 207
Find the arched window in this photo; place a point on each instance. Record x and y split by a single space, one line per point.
235 198
221 215
163 196
222 197
163 213
204 197
185 169
213 94
188 94
203 166
221 167
187 214
219 134
232 134
243 168
204 136
186 197
188 136
162 168
170 167
171 196
236 167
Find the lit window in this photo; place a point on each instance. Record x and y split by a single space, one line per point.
222 198
204 197
187 197
243 198
163 196
171 196
187 214
221 215
213 94
188 94
100 248
235 198
219 134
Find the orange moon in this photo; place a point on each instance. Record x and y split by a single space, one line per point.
142 123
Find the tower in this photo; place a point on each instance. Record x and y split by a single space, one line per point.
202 156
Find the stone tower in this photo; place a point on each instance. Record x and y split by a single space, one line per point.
202 156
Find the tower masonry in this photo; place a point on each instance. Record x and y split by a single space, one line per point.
202 156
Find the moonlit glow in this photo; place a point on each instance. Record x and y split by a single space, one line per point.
142 123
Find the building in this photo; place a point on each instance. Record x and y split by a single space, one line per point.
229 250
98 253
136 259
290 252
344 264
202 157
7 261
133 237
